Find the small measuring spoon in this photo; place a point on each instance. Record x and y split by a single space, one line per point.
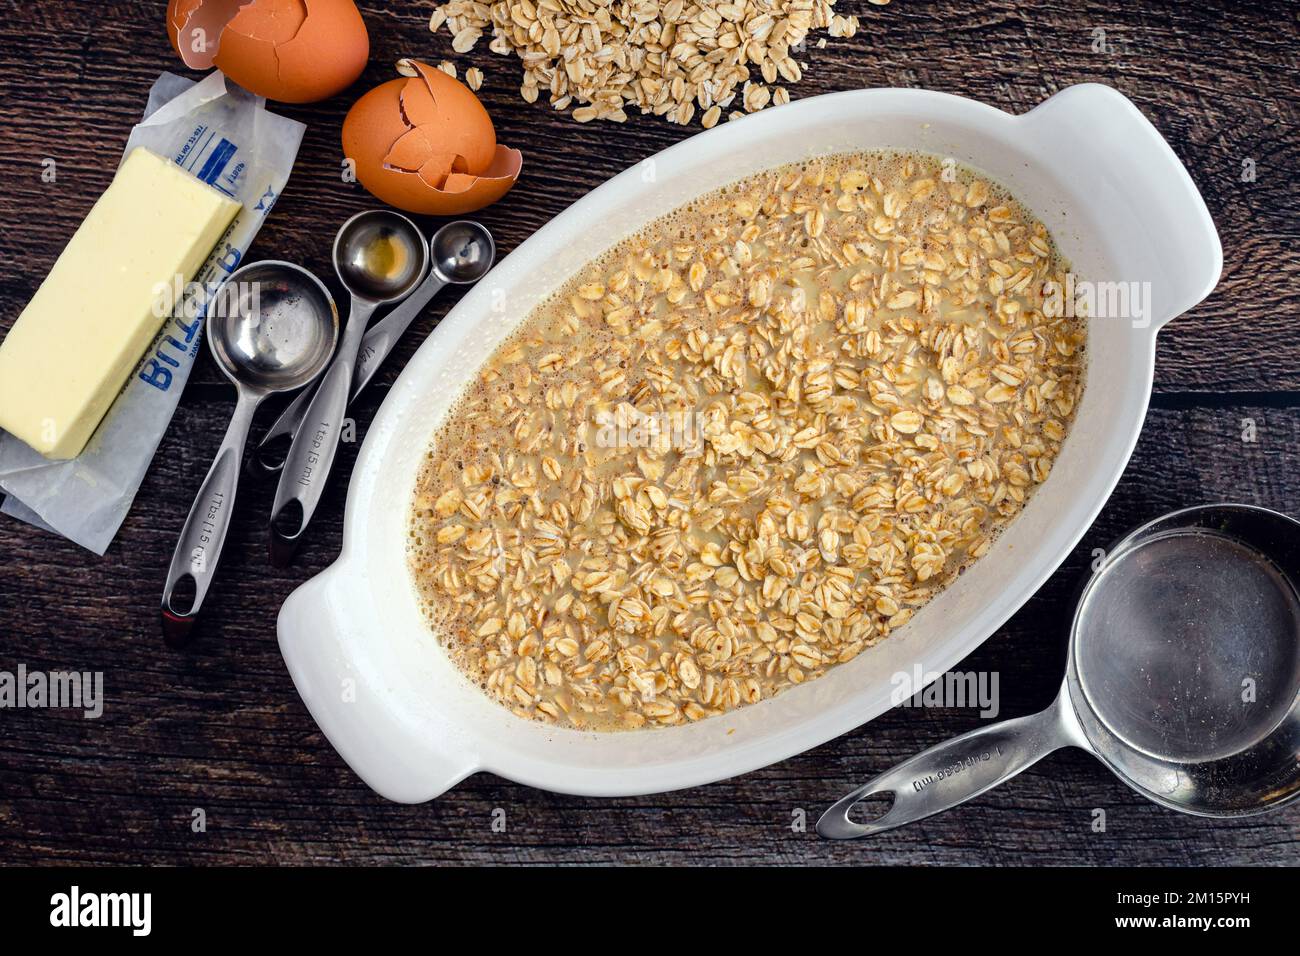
380 257
463 252
1183 678
272 327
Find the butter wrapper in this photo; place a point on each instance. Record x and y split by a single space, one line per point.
224 136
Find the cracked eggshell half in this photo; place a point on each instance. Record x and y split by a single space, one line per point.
425 144
292 51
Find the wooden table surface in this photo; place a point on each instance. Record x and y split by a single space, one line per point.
221 728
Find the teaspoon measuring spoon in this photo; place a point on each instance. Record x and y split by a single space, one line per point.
272 327
462 253
380 257
1183 679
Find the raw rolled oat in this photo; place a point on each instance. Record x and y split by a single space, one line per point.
671 59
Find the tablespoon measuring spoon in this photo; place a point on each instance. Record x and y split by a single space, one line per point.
462 253
380 257
271 327
1183 678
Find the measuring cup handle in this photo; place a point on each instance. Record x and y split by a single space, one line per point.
199 548
311 456
952 772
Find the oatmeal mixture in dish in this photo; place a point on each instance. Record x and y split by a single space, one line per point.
746 443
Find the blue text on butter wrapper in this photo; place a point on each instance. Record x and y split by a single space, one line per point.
157 370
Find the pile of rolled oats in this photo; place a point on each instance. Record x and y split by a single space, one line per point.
670 59
747 443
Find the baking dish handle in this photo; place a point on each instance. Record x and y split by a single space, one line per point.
1114 156
394 759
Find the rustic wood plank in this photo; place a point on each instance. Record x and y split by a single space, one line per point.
222 728
1224 104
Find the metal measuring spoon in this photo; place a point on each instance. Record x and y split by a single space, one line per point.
272 327
463 252
1183 678
380 257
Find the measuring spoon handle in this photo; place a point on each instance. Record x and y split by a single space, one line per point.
384 334
311 456
953 772
199 548
287 424
376 346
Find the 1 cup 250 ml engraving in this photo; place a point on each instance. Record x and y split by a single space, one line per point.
955 768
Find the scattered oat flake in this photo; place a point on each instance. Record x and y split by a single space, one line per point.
603 58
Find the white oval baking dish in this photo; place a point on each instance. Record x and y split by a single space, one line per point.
1121 207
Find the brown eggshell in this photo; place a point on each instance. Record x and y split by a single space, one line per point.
426 145
194 27
468 193
455 114
370 129
293 51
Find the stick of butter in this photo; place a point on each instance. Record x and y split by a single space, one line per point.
70 352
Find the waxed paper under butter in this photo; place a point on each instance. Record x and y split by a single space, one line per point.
225 137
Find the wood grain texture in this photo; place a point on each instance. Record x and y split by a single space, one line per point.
221 727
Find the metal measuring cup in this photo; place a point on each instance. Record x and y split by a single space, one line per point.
1183 679
272 327
380 257
462 253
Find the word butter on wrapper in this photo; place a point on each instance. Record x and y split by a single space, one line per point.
68 355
